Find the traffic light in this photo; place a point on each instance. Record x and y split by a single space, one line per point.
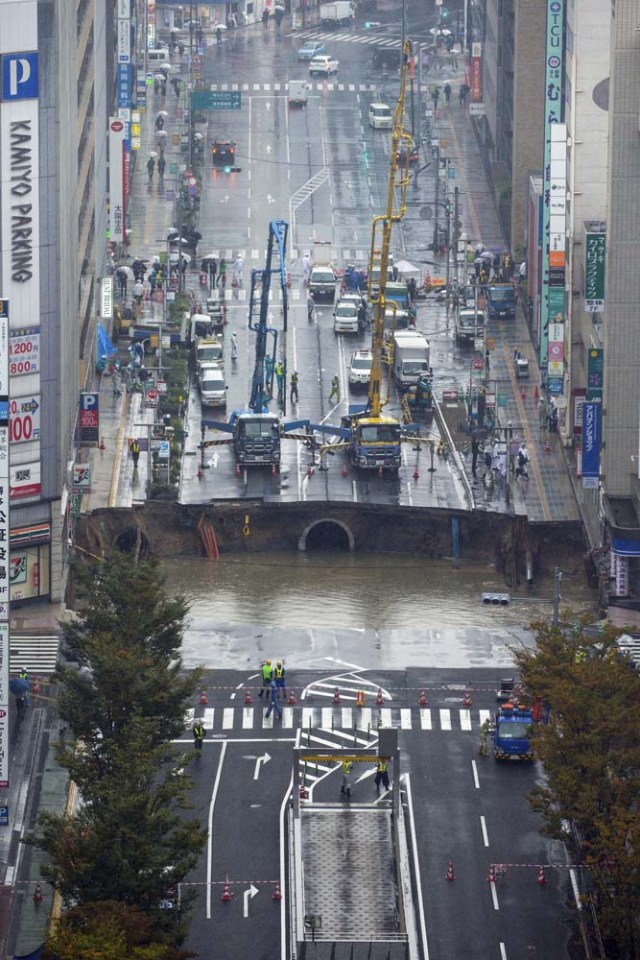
457 229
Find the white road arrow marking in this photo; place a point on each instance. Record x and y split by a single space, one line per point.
268 148
270 199
268 105
259 762
249 895
225 199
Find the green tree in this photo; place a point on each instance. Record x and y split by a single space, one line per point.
127 640
591 754
108 931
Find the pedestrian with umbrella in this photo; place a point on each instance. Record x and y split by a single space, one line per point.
219 33
175 83
151 165
159 122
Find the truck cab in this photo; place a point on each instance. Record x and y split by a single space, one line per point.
256 438
513 731
469 324
501 301
207 350
410 358
375 442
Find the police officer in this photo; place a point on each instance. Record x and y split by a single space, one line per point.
274 700
198 734
382 774
267 672
347 767
279 677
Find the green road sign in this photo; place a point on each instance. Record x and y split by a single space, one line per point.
216 100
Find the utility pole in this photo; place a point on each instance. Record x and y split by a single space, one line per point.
436 245
557 576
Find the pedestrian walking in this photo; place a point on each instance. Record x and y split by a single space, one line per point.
435 96
222 273
311 307
266 671
335 390
210 267
265 17
151 163
162 165
382 774
163 88
218 34
138 291
123 279
294 387
485 730
542 413
273 687
447 92
234 345
279 677
134 450
238 270
280 380
475 450
199 734
523 460
347 767
175 83
159 122
488 460
306 269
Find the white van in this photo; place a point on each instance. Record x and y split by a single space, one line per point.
158 56
380 116
297 96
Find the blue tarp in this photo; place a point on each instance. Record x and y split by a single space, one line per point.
104 346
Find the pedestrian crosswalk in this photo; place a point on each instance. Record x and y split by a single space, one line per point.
338 718
256 258
281 89
367 39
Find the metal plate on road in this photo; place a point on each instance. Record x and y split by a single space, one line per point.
216 100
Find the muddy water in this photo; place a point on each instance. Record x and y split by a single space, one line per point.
338 590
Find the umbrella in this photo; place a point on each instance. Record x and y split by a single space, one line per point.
161 135
198 136
174 257
486 255
18 686
479 261
210 256
163 113
153 155
407 269
164 68
279 6
159 76
220 26
178 240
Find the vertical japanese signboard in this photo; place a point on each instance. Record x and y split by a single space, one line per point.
595 257
553 172
4 543
595 374
591 443
116 179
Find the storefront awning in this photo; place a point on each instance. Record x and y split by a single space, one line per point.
626 548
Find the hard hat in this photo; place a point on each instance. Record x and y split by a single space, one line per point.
268 661
278 663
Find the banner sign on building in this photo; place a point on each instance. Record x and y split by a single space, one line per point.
89 418
24 352
554 176
116 179
595 374
595 259
476 104
24 418
4 543
25 482
105 298
591 442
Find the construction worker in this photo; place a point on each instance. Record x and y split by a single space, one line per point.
274 700
267 672
335 390
280 380
279 677
382 774
347 767
485 730
295 379
198 734
134 449
24 674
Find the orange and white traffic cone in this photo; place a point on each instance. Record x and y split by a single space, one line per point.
203 698
541 879
336 696
226 893
292 699
304 793
467 699
379 698
450 875
277 894
422 699
37 894
492 874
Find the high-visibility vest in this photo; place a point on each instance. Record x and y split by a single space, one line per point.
346 766
267 670
135 446
198 731
279 671
382 766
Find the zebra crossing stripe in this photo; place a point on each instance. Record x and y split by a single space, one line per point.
484 715
352 725
327 718
405 719
465 719
385 719
207 718
307 717
247 718
287 718
425 719
445 719
227 718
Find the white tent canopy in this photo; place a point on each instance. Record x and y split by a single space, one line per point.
407 269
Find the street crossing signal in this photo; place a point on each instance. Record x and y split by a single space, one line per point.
497 599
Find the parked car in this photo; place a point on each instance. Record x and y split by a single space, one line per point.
360 369
310 50
324 65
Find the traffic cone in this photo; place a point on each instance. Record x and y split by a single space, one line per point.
379 698
37 894
422 699
547 446
292 699
103 445
309 471
416 474
523 394
274 472
276 895
336 696
203 698
492 874
541 879
359 698
238 470
35 689
467 699
450 874
226 893
536 393
200 472
247 696
304 793
344 471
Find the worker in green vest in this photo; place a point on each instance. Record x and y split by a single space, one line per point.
382 774
279 677
267 673
198 734
347 767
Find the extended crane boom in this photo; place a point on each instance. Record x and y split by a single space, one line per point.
261 385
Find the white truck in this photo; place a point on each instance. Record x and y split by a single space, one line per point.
340 11
410 358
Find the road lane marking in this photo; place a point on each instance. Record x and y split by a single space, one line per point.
327 718
405 719
465 720
307 717
474 768
347 720
285 951
227 718
485 835
416 866
445 719
212 803
385 719
503 952
365 719
207 719
484 715
494 896
247 718
425 719
287 717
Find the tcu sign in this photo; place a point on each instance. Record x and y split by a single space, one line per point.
20 76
